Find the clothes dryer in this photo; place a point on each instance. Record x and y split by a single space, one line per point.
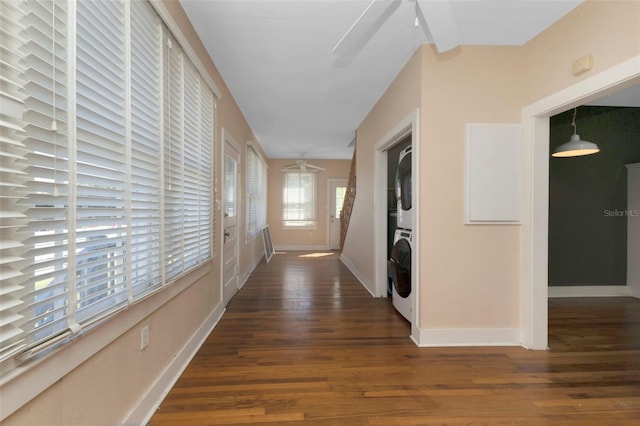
403 189
400 261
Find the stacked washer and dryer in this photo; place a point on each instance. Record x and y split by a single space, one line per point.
400 256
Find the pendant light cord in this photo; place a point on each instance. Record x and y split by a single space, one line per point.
573 122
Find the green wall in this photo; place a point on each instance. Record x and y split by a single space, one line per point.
588 197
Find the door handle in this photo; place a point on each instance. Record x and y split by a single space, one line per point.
226 235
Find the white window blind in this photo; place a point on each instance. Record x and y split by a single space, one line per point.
12 177
117 178
206 225
299 199
146 149
100 169
173 157
191 200
256 193
46 52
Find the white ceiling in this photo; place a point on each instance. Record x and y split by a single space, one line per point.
302 100
628 97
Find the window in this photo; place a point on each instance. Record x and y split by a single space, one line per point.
299 200
256 193
341 192
112 146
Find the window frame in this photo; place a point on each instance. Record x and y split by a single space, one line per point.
305 223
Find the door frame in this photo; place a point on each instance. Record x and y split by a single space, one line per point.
331 181
406 126
534 230
228 139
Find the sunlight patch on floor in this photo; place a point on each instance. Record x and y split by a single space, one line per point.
324 254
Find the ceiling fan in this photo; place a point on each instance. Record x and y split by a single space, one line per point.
302 166
435 17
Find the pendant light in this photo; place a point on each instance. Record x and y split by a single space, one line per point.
575 147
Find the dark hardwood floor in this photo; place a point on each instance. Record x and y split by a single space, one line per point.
304 343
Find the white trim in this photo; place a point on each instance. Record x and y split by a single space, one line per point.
148 403
467 337
534 251
302 248
589 291
186 46
359 275
409 125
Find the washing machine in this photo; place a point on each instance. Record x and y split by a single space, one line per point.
403 189
400 270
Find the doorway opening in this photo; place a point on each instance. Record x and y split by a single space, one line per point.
406 128
337 192
534 230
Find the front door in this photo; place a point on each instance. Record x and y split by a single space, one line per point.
230 223
337 191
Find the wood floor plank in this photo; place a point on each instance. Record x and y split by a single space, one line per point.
304 343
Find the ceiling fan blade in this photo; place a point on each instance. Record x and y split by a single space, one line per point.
367 24
440 22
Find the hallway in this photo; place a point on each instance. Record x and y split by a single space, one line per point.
304 342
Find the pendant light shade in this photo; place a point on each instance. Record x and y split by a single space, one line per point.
575 147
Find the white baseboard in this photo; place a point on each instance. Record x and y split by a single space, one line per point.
147 405
467 337
301 248
589 291
245 278
359 276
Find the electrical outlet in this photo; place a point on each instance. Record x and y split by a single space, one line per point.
144 337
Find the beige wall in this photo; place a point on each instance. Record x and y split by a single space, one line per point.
105 387
609 30
470 274
304 238
400 100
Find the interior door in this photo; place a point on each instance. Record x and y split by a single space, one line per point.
230 223
337 191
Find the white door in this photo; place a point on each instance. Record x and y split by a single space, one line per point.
337 191
230 223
